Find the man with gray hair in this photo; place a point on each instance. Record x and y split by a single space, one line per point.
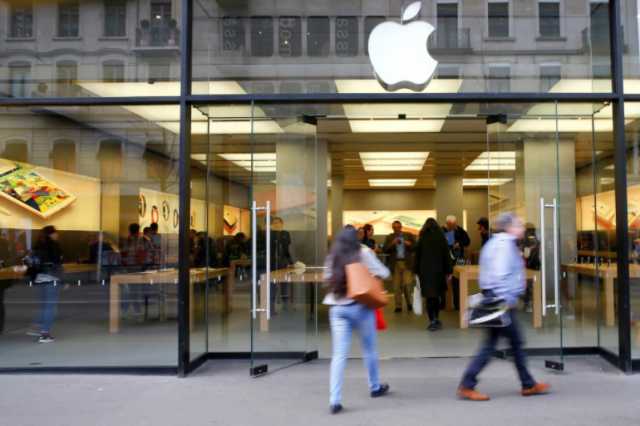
458 240
502 274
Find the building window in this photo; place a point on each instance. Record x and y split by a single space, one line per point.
113 71
16 151
499 75
262 36
290 36
447 32
22 20
347 36
498 19
68 20
370 22
550 75
63 156
599 24
232 33
159 72
66 76
20 80
115 18
318 36
549 13
110 158
448 72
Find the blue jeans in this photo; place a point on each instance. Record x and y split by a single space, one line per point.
343 319
48 293
482 358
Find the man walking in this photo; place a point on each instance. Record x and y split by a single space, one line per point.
458 241
502 274
400 245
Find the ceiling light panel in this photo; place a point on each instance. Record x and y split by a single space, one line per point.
484 182
393 161
262 162
392 182
498 160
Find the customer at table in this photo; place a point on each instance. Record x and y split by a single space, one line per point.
400 246
458 241
235 249
501 272
97 248
432 264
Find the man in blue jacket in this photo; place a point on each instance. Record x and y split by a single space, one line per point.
502 273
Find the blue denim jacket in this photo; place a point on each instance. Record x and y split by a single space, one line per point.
502 268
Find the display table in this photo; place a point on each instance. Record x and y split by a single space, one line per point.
284 275
160 278
606 273
68 268
466 273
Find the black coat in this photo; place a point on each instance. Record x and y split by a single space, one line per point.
432 263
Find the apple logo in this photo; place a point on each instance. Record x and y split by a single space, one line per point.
399 53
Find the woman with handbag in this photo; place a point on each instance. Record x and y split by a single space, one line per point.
432 264
346 313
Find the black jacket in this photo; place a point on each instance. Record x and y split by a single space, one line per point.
461 237
432 263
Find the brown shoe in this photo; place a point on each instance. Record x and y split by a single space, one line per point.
537 389
471 394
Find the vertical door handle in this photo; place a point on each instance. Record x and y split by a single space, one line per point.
254 261
556 270
268 280
543 249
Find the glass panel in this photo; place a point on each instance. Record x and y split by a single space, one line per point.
107 287
284 194
630 10
232 57
91 34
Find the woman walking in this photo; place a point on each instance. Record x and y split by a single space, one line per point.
42 265
432 265
346 314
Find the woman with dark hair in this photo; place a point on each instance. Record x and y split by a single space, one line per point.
346 314
368 241
42 265
431 265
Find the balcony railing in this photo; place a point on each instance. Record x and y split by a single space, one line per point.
450 39
157 37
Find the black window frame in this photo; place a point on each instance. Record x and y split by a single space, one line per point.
115 13
549 24
69 20
498 24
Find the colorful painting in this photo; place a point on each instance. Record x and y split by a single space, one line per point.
30 188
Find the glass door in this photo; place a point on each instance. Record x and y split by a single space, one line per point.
284 238
523 164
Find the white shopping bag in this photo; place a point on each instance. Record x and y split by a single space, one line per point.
417 298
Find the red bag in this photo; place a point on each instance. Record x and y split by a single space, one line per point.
381 323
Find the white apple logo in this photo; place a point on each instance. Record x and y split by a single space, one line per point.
399 53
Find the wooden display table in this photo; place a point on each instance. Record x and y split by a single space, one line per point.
606 273
68 268
160 278
466 273
284 275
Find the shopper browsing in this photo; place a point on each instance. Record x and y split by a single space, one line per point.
400 246
458 240
346 314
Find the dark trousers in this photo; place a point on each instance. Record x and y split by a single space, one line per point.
455 285
487 349
433 308
284 293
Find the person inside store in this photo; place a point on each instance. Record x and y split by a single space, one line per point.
236 248
501 269
368 240
5 254
432 265
201 251
44 266
458 240
134 251
483 229
280 259
148 233
361 235
400 246
346 314
156 239
97 248
530 247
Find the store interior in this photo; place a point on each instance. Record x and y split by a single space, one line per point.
319 166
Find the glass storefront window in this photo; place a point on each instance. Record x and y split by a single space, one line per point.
91 195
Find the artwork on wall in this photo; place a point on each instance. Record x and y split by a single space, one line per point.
236 220
162 208
602 208
381 220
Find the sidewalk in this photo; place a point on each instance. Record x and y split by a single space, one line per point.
589 392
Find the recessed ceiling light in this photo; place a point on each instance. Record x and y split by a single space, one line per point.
393 161
262 162
484 182
392 182
494 160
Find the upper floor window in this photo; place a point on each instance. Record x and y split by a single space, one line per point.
550 75
599 24
549 16
20 80
347 36
67 74
115 18
232 33
499 75
110 158
448 72
22 20
318 36
262 36
290 36
63 156
447 25
69 19
498 13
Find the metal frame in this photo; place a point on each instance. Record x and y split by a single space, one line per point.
186 100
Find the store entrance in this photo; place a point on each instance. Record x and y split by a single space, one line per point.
277 181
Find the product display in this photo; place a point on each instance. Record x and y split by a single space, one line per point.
166 211
155 214
176 218
27 189
142 206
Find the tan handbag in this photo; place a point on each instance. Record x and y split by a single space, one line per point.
365 288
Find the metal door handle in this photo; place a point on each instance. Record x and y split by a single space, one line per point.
555 255
254 253
543 263
268 280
